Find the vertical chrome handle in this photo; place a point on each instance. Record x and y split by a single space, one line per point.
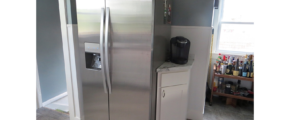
101 49
163 93
107 50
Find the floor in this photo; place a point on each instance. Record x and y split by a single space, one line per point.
61 104
220 111
49 114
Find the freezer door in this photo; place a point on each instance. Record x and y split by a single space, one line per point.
130 44
95 96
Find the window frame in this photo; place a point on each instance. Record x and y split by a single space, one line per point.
217 29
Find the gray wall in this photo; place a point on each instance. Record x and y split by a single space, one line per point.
192 12
50 59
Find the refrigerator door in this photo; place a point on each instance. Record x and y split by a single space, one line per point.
90 18
129 58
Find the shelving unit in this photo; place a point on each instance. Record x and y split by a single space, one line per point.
229 95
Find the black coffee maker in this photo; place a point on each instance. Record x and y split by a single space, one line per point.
179 50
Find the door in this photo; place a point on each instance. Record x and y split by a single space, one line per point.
130 36
95 98
173 103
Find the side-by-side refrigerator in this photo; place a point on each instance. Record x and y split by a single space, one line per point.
121 43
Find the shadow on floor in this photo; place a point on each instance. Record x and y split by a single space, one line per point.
220 111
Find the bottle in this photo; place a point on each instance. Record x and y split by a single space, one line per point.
219 58
224 58
253 69
238 85
241 68
250 57
220 84
234 65
240 71
244 74
250 72
215 83
230 66
218 67
236 70
214 66
246 59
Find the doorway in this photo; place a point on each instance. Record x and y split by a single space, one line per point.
50 57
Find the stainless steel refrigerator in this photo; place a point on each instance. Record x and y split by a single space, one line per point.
121 43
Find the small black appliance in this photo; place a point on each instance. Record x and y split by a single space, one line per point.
179 50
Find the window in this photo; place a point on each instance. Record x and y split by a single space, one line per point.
235 26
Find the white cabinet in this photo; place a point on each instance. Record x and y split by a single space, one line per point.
172 91
172 104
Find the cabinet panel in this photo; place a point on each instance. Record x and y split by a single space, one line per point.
173 103
169 79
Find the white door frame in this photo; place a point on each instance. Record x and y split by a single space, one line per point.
38 90
70 64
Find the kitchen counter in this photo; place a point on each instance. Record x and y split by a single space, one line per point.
171 67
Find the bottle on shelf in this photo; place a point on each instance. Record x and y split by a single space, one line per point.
250 72
250 57
236 71
246 59
234 65
218 67
214 66
253 69
238 85
241 68
244 74
220 84
219 57
230 66
215 83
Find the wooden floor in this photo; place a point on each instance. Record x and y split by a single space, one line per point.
220 111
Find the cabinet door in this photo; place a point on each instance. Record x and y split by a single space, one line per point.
173 103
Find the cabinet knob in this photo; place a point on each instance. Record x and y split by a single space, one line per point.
163 93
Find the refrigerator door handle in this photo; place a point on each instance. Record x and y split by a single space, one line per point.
107 50
102 48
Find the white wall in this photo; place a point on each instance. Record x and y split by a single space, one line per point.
200 38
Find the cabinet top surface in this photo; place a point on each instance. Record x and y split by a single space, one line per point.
171 67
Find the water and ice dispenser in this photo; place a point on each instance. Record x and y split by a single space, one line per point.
93 57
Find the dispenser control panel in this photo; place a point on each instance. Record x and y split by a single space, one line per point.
92 47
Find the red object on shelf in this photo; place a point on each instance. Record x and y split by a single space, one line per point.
214 89
250 92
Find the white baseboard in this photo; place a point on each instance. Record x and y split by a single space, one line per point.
54 99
